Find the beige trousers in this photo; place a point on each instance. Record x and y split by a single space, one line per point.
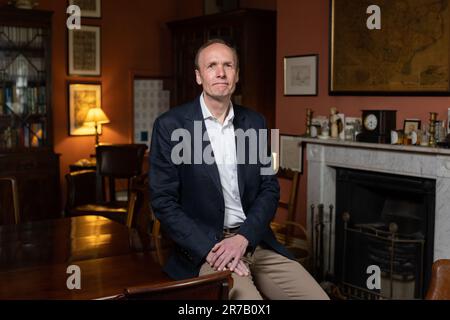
274 277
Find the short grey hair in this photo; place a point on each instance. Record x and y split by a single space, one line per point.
210 43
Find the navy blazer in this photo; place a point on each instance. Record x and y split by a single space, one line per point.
188 200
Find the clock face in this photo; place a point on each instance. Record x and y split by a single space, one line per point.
370 122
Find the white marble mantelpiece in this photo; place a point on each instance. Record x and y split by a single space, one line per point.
323 156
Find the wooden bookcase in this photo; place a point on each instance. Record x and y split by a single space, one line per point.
26 131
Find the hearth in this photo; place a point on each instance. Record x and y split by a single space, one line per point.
387 221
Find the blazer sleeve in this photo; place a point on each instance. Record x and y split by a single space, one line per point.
263 209
164 194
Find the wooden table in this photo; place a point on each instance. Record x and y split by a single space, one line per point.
34 258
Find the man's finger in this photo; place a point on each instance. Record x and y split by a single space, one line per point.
234 263
215 255
222 261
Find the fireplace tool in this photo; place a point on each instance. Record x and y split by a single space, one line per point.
328 283
318 252
329 276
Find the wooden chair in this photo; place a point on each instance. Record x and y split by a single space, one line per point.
439 288
86 192
117 161
11 194
214 286
290 233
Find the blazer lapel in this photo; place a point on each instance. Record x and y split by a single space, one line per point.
197 115
239 122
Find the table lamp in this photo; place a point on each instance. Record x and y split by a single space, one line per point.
94 117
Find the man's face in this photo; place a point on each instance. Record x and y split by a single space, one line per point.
217 71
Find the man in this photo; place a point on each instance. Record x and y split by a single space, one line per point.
219 213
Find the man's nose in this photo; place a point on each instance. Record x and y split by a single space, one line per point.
220 71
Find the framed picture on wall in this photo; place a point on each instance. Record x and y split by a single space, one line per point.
291 156
89 8
300 75
392 50
84 51
82 97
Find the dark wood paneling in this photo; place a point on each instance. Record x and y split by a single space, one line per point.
252 33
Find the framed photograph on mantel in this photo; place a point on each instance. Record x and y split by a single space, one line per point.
391 49
84 51
82 97
89 8
300 75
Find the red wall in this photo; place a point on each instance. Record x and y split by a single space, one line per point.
303 29
134 37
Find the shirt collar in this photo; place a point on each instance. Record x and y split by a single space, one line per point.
208 115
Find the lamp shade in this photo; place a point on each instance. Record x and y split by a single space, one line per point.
95 116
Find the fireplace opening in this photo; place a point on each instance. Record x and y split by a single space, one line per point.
387 221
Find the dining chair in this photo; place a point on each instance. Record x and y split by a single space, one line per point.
290 233
117 161
87 190
8 196
214 286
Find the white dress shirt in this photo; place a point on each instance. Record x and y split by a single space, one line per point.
223 144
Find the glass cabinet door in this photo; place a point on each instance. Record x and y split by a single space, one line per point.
23 87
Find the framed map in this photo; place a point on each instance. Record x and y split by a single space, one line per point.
82 97
408 55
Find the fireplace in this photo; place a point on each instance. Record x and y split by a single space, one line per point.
387 221
413 182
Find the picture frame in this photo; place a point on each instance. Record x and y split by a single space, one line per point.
410 125
83 96
84 51
291 153
301 75
394 60
89 8
352 128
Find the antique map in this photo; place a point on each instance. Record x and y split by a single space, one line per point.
410 53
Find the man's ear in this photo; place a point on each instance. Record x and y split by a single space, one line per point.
198 78
237 75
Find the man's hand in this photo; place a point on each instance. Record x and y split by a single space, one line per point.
241 269
228 251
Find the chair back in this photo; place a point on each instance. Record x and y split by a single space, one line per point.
9 194
118 161
81 188
139 212
214 286
293 177
290 233
439 288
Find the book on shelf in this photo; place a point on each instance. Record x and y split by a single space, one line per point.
23 100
